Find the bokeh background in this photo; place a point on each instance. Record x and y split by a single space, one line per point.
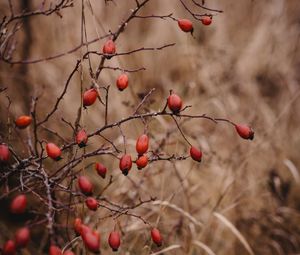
244 197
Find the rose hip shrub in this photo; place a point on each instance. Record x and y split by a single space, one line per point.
52 178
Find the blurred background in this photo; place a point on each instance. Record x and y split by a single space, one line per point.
244 198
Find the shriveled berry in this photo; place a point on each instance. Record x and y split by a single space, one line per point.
91 240
22 237
186 25
142 162
81 138
244 131
142 144
125 164
4 153
53 151
18 204
85 185
206 20
156 236
174 103
109 48
9 248
122 82
23 121
114 240
55 250
89 97
101 170
92 203
195 154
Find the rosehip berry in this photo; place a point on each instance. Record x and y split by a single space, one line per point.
85 185
78 226
174 103
142 162
109 48
186 25
195 154
53 151
122 82
22 237
89 97
4 153
84 229
18 204
55 250
101 170
91 240
206 20
9 248
114 240
156 237
81 138
142 144
245 131
23 121
91 203
125 164
68 252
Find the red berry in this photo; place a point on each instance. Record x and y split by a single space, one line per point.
206 20
125 164
68 252
109 48
122 82
142 162
78 226
174 103
114 240
142 144
84 229
156 237
92 203
4 153
53 151
185 25
54 250
85 185
89 97
18 204
245 131
91 240
195 154
23 121
9 248
81 138
101 170
22 237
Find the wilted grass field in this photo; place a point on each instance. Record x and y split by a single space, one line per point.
243 198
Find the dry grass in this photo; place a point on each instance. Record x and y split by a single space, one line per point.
244 67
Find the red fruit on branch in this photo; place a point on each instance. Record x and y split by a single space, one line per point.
156 236
85 185
142 144
22 237
244 131
185 25
122 82
9 248
84 229
114 240
77 226
101 170
109 48
92 203
18 204
55 250
125 164
23 121
68 253
142 162
53 151
91 240
81 138
206 20
174 103
195 154
89 97
4 153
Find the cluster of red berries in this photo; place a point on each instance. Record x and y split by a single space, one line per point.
187 26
